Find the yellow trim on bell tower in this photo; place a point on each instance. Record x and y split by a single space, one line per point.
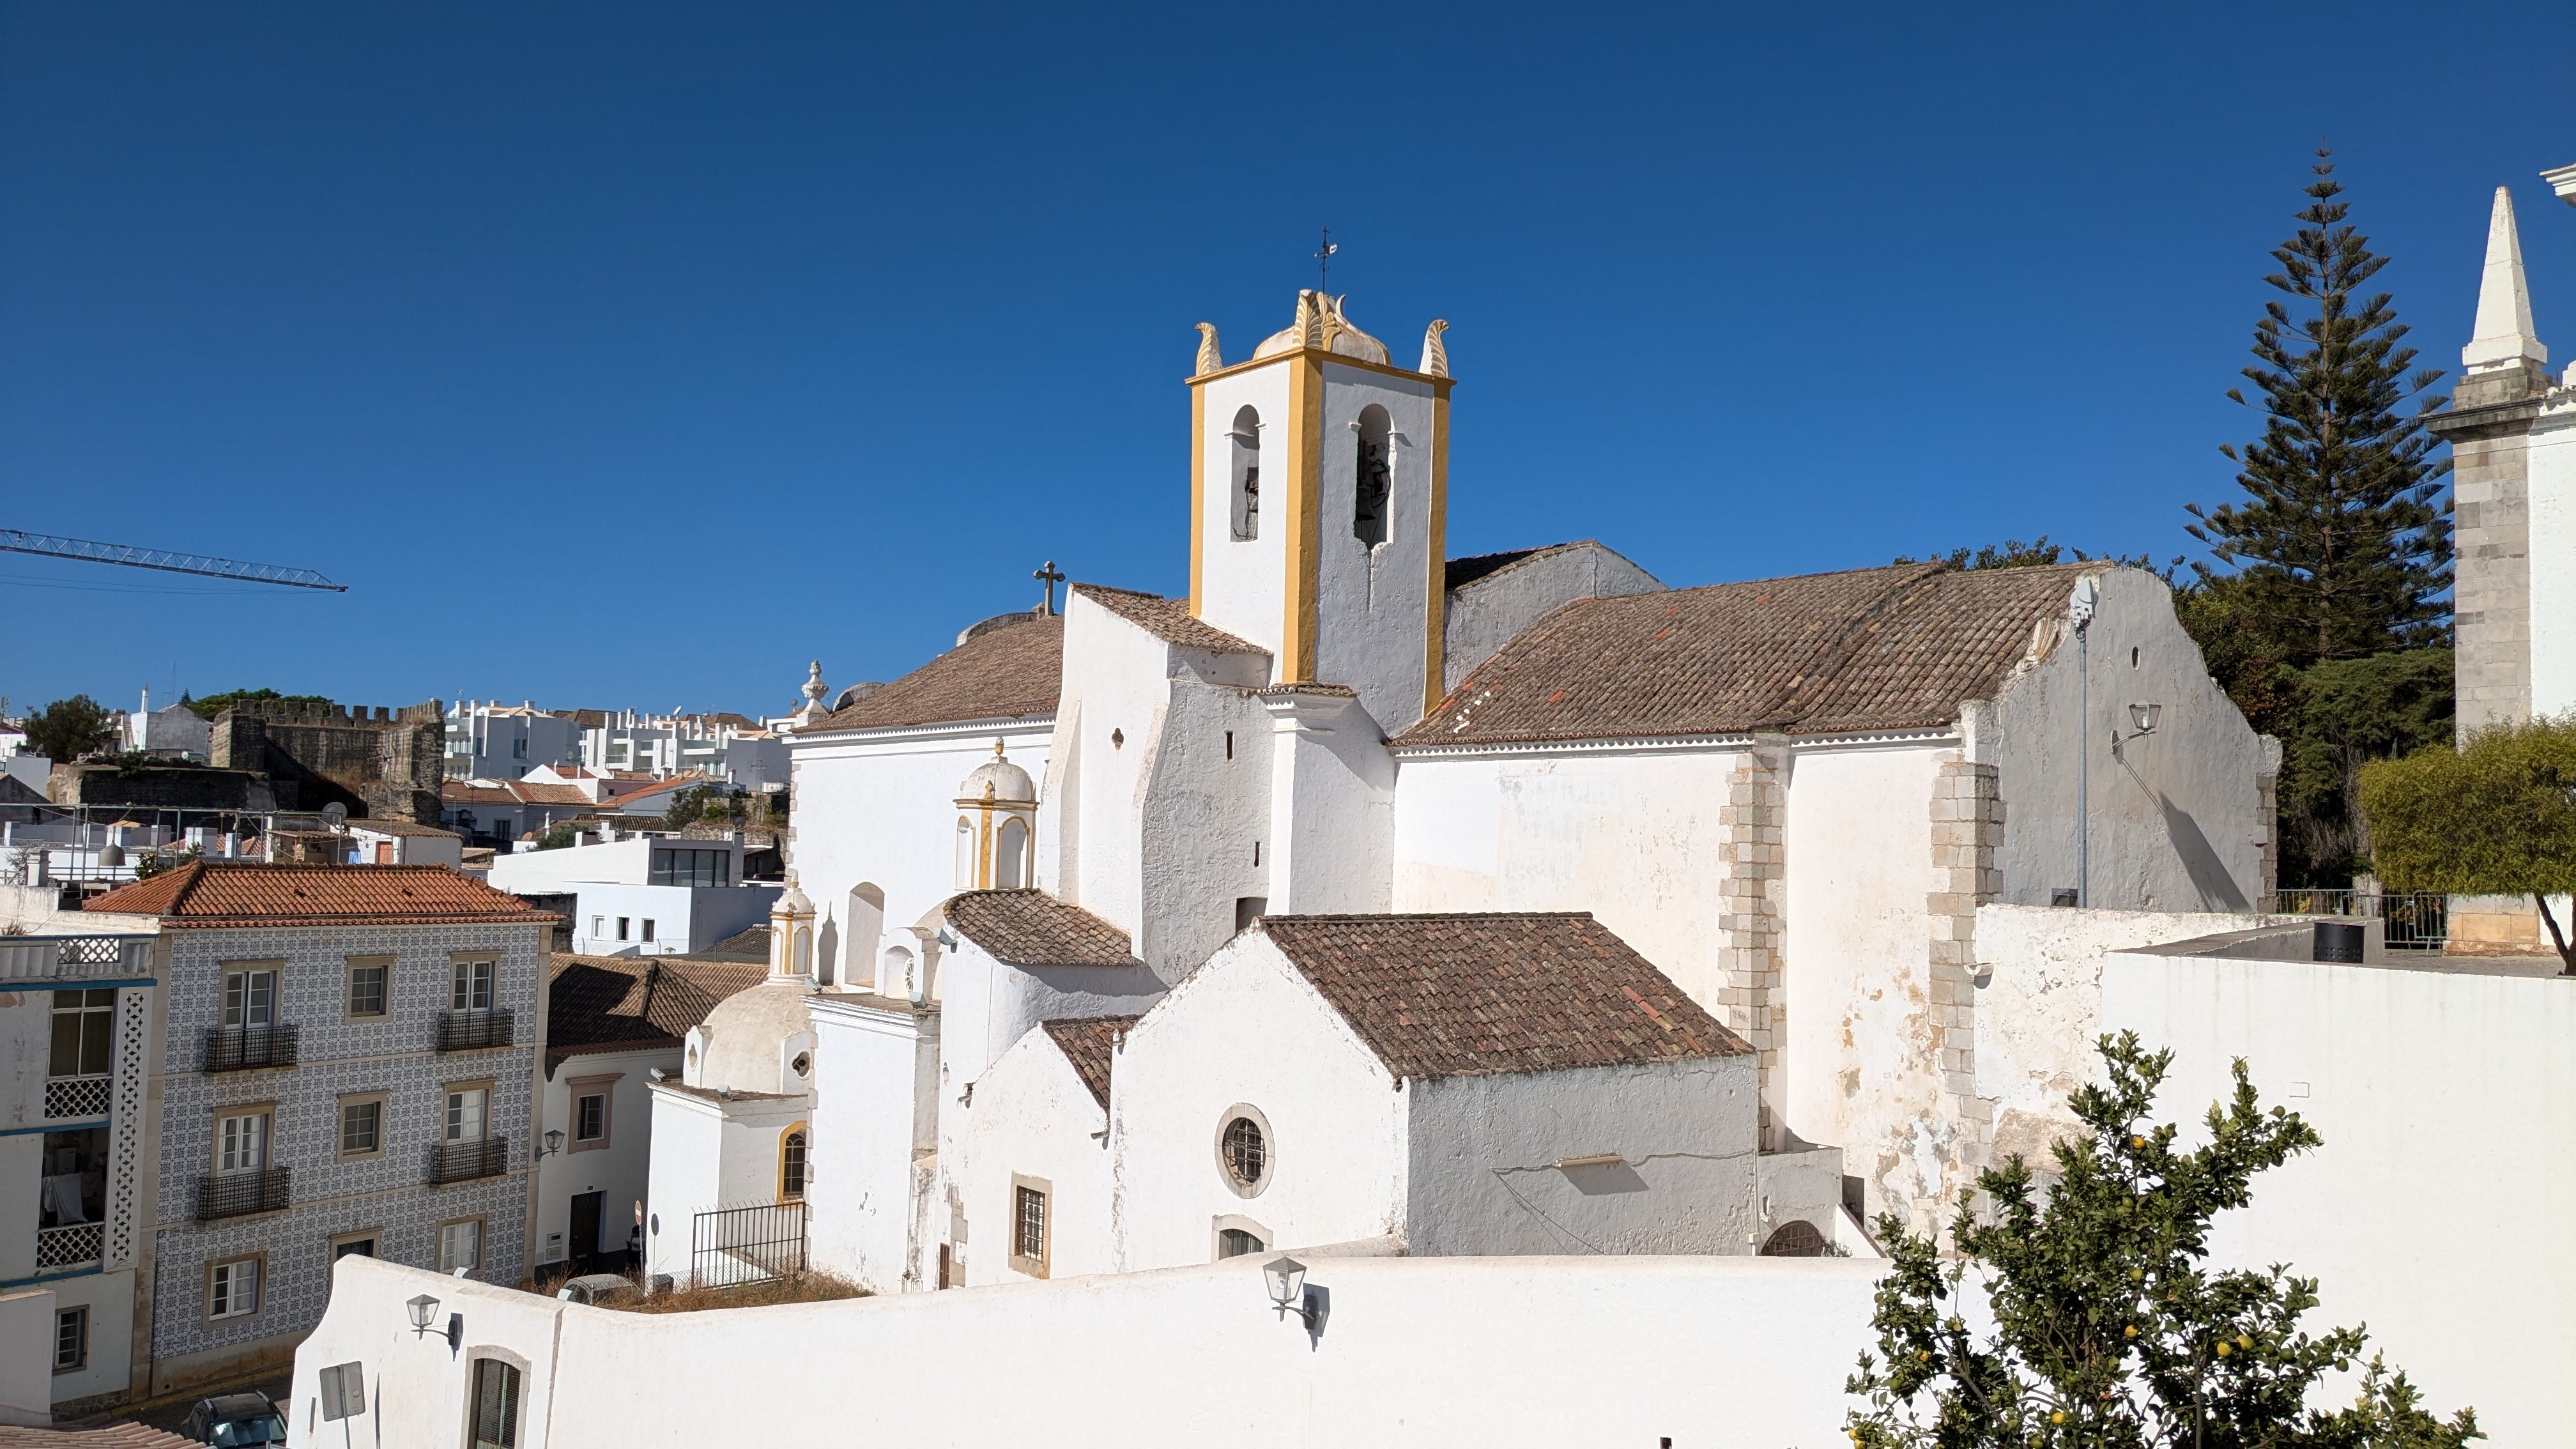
1435 609
1305 516
1198 499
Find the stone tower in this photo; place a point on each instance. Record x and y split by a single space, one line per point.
2514 495
1319 476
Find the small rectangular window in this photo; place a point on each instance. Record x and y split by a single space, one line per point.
367 988
84 1026
621 928
232 1289
648 928
361 1127
466 1111
496 1405
71 1340
590 1118
241 1142
472 987
250 998
460 1245
1031 1201
598 927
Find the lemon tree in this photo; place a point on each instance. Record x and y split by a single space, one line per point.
2108 1330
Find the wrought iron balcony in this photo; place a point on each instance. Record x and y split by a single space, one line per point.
467 1031
73 1245
242 1048
232 1194
466 1161
83 1096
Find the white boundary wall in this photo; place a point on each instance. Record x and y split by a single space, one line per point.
1430 1351
2436 1211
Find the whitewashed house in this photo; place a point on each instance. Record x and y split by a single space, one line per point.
647 894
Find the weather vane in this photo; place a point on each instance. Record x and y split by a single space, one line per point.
1324 261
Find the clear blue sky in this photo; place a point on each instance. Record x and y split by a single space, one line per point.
635 354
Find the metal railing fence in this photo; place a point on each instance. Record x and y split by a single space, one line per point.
732 1246
2410 920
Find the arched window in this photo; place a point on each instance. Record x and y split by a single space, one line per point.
1796 1238
1245 474
801 961
866 927
965 854
791 1165
1010 855
1375 478
894 978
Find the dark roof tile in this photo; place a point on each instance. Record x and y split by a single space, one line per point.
1032 928
1090 1043
236 893
1006 674
1166 619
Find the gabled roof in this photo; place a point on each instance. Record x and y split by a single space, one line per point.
606 1003
1032 928
1006 674
238 893
1871 649
1166 619
1488 993
1090 1043
510 792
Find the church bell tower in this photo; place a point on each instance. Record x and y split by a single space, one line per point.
1319 475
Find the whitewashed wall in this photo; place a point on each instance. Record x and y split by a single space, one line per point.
1483 1176
2436 1210
1243 584
1629 835
1860 1067
986 1005
1029 1116
879 807
2177 819
1246 1028
1486 1352
1207 819
1332 808
1116 688
619 1168
708 1155
1483 616
2553 561
876 1084
1372 604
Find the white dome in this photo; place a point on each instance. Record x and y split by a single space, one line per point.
1322 323
745 1034
998 780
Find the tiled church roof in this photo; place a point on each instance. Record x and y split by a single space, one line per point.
1481 994
238 893
1871 649
1091 1044
1166 619
1032 928
1005 674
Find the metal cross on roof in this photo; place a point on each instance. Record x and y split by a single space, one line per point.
1046 574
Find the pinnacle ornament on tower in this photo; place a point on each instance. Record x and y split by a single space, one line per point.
2505 359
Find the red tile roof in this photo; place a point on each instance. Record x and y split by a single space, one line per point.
612 1003
1007 674
510 792
1032 928
235 893
1482 994
1166 619
1090 1043
1871 649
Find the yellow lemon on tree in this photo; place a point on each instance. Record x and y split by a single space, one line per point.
2223 1347
2129 1332
2058 1418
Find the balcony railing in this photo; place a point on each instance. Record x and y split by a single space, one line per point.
466 1161
87 1096
74 959
74 1245
231 1194
2411 922
241 1048
467 1031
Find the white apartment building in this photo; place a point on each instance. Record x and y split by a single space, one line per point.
727 748
79 1026
496 741
643 896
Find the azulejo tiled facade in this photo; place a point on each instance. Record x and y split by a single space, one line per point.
387 1194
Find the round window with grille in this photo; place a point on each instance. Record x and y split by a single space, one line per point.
1244 1150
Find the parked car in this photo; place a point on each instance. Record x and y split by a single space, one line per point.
232 1421
596 1288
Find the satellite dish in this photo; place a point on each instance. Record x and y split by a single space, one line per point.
2081 604
335 814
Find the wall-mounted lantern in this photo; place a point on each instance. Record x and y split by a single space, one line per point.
1286 1278
425 1308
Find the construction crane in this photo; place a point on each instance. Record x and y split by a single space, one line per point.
88 551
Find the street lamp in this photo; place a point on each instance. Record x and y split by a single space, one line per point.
423 1309
2144 716
554 1143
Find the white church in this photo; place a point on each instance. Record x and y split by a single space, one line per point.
1372 899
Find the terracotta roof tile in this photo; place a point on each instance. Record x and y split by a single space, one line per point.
1477 995
390 825
1891 648
595 1002
1006 674
1032 928
1090 1043
1166 619
235 893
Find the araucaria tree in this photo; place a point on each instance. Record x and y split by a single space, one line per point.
2342 546
2109 1331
